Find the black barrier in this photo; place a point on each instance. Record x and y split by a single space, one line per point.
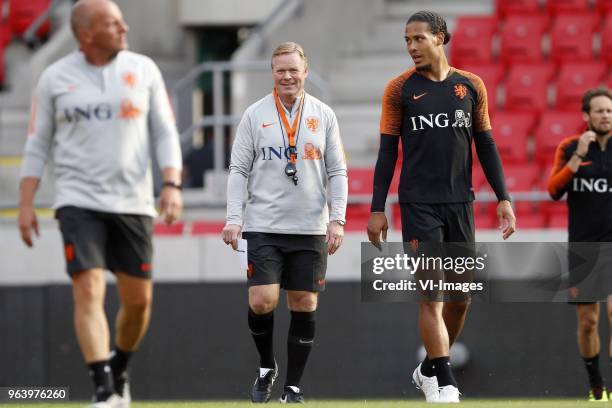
199 346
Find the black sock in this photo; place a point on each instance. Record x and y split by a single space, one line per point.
427 368
592 367
102 377
119 360
443 371
262 330
299 344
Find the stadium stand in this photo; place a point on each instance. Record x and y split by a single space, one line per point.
521 38
491 74
572 37
553 127
505 7
527 87
551 53
604 6
512 130
23 13
567 6
574 79
508 48
606 39
472 39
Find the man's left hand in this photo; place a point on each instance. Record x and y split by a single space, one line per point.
171 204
506 218
334 237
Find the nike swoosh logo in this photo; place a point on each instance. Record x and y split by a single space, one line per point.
416 97
586 163
265 125
305 341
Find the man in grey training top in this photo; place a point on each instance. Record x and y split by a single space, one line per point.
99 111
287 149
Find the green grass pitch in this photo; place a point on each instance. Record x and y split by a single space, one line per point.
408 403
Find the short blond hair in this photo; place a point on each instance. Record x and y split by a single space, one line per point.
290 47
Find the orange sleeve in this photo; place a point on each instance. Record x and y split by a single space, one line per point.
561 175
482 123
391 117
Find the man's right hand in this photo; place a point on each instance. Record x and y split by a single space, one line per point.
230 235
27 222
377 227
584 141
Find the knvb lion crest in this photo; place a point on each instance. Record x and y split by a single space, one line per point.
312 123
311 152
129 79
462 119
460 91
414 244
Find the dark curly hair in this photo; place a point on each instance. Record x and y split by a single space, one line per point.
592 93
436 23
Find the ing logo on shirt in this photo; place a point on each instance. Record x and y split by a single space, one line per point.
311 152
460 91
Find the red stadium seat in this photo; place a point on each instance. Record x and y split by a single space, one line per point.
572 37
574 79
1 67
521 38
556 212
604 6
567 6
484 220
558 221
396 213
357 216
555 126
511 131
478 177
483 210
522 178
5 32
207 227
360 180
172 229
23 13
527 87
534 220
504 7
606 39
472 40
491 74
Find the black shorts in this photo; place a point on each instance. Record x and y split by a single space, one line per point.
117 242
297 262
590 272
448 222
425 226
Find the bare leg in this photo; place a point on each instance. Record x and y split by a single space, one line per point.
454 314
135 295
91 326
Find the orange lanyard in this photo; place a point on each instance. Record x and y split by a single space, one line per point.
291 130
